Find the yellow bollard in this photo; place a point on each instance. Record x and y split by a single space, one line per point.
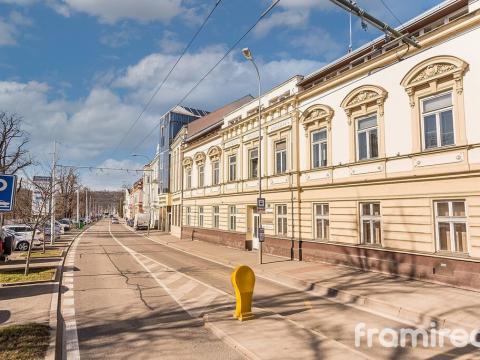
243 281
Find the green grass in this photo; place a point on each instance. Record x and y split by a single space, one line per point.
18 276
40 254
27 341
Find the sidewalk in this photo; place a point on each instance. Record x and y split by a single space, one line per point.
416 302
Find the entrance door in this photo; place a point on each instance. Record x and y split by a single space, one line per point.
256 225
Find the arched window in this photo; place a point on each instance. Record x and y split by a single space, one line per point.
317 122
435 90
364 107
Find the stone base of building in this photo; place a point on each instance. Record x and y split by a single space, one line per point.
460 272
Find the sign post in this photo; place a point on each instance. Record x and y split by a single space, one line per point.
7 192
261 205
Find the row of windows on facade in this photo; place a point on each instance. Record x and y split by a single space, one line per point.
450 222
437 126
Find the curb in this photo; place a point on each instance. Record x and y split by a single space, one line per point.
227 339
54 322
381 308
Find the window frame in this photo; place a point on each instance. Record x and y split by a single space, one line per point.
451 220
188 214
323 219
320 143
201 175
201 216
215 172
216 216
232 217
437 119
232 168
367 132
276 153
283 217
188 179
250 164
372 219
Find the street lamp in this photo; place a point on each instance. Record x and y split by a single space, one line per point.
247 54
149 193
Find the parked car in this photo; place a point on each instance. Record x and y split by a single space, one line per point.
47 231
7 239
115 221
140 221
130 222
65 223
22 234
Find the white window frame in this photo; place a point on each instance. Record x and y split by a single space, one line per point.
215 172
452 220
437 120
367 131
201 216
277 152
188 214
372 219
201 176
250 165
319 143
216 216
232 218
323 218
232 168
188 179
282 217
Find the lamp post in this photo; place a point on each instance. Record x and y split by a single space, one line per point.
248 56
149 193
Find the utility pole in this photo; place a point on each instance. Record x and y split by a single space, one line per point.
78 206
86 205
52 200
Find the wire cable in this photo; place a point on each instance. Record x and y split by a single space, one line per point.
232 47
390 11
157 89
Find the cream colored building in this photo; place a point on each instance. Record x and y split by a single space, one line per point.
372 161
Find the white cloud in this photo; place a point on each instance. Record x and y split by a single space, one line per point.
292 18
170 44
112 11
10 27
112 179
119 38
317 42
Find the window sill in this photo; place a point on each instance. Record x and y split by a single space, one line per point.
459 255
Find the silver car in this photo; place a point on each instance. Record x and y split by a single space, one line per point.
22 236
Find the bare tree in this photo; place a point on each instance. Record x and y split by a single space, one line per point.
67 185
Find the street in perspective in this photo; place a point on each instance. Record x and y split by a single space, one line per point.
240 179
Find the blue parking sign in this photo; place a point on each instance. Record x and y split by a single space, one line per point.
7 192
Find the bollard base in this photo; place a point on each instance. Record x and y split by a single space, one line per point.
247 316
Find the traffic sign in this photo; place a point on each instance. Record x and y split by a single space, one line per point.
7 192
261 234
261 205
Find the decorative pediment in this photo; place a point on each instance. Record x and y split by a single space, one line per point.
432 70
316 115
199 158
187 162
214 153
362 97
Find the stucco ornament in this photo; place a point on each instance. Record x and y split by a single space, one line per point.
214 153
316 115
187 163
362 97
433 70
200 158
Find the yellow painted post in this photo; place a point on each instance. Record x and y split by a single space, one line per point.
243 281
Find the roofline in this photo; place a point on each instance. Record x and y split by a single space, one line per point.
209 128
308 78
255 98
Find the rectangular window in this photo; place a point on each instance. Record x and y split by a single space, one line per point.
437 115
281 157
370 222
216 216
232 168
188 212
319 148
200 216
232 217
188 179
367 138
281 220
322 221
451 226
162 136
215 173
253 163
201 175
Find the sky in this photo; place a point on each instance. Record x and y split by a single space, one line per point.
81 71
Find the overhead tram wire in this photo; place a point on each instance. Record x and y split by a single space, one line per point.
157 89
390 11
101 168
189 92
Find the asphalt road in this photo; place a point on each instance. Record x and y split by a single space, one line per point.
136 298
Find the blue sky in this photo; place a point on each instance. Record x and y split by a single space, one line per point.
80 71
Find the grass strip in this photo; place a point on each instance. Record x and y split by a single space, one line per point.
39 254
26 341
8 277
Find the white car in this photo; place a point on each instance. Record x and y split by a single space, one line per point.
23 236
62 226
